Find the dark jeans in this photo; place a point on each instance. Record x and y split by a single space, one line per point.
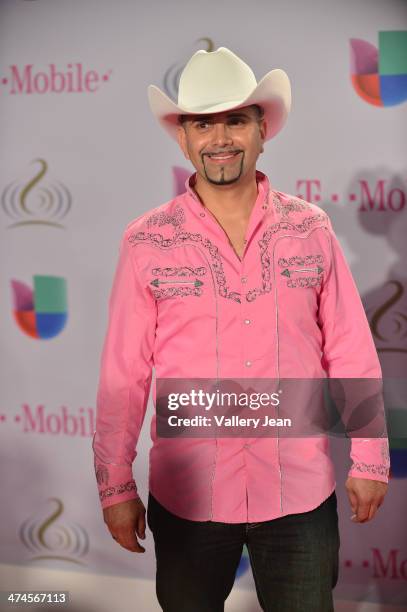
294 560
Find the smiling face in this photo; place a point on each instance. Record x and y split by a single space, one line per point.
223 147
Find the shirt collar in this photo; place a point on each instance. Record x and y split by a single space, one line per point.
263 191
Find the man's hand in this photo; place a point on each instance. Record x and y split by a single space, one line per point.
365 497
126 519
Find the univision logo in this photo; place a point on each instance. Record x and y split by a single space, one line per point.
40 312
379 75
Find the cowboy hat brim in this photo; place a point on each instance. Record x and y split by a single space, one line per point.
272 93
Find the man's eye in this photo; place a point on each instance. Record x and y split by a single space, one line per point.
203 124
236 120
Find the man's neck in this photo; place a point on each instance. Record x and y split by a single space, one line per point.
234 201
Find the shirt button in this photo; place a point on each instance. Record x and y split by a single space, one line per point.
244 279
248 364
202 214
247 321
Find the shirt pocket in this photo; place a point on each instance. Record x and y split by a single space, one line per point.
178 282
301 272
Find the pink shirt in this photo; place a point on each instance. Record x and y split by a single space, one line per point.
246 320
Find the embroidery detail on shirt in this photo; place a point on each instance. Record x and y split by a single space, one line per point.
102 474
292 205
117 490
174 291
182 237
180 271
384 448
372 468
304 281
288 272
302 227
162 218
307 281
298 260
156 282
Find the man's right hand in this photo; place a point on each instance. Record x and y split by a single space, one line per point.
126 519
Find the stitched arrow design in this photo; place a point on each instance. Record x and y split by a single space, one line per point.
287 272
156 282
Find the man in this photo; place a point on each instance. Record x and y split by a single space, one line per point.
232 279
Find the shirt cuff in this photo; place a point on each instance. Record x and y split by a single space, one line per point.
370 471
370 459
115 483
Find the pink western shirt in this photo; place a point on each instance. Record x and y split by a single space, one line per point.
245 320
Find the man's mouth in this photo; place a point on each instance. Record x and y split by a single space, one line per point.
222 157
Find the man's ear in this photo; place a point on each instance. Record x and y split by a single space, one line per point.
181 137
263 128
263 132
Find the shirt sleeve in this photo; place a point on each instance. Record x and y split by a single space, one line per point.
124 380
349 353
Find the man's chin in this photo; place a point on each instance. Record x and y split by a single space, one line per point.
220 181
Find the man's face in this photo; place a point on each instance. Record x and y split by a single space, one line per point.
223 147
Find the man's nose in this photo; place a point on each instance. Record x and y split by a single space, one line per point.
222 134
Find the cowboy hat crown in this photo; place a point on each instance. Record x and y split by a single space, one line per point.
216 81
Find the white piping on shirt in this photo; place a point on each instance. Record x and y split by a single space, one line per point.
278 340
182 246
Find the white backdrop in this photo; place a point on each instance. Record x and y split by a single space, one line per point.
81 156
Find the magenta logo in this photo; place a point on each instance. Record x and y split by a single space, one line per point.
73 78
62 421
389 564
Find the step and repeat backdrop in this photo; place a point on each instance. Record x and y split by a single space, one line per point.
81 156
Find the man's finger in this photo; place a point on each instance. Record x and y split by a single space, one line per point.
129 541
372 511
380 501
362 512
133 545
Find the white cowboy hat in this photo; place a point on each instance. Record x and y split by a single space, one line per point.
216 81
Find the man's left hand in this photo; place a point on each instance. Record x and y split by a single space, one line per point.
365 497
